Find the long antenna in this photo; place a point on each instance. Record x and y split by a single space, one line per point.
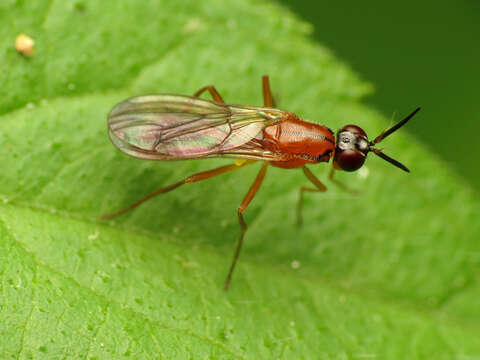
389 159
394 128
386 133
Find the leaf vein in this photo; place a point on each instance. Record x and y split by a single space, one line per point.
120 306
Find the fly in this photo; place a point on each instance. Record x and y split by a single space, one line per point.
179 127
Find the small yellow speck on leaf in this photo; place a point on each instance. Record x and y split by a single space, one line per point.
24 45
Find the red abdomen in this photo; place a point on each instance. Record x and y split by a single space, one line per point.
299 142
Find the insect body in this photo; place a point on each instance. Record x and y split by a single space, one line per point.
177 127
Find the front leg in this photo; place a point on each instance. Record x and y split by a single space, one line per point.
319 187
340 184
268 100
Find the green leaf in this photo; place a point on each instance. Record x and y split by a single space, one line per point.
391 273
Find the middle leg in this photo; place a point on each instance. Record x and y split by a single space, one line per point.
211 89
243 225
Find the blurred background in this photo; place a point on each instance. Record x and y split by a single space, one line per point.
415 54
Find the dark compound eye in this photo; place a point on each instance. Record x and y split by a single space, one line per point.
352 148
350 160
354 129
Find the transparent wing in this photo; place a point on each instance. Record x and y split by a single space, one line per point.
252 150
175 127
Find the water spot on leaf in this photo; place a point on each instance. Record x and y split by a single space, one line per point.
295 264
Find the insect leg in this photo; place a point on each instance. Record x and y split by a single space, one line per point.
268 100
211 89
191 179
319 187
241 209
340 184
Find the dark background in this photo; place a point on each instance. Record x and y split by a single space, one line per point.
416 54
